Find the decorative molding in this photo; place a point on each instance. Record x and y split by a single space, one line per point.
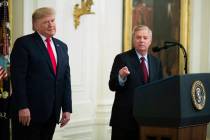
103 113
76 130
83 9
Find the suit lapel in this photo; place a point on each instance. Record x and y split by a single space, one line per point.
43 50
151 69
58 51
135 63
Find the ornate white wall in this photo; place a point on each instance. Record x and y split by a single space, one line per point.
200 41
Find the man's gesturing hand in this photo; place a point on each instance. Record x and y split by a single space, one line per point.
124 72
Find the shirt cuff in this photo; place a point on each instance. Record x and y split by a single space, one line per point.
122 80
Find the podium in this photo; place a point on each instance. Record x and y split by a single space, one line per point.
176 108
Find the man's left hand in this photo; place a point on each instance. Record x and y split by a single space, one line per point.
65 119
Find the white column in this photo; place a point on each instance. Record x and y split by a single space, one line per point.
195 41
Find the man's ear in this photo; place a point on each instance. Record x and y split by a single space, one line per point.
35 26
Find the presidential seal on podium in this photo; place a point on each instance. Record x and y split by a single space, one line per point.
198 95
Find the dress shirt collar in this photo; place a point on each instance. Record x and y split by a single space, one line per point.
44 38
139 56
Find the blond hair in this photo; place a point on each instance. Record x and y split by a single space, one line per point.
41 13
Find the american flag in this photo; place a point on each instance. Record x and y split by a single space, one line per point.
4 58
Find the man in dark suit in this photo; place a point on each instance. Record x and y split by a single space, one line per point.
131 69
40 76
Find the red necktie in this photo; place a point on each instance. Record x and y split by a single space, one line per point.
144 69
51 54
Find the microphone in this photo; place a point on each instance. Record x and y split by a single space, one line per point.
168 44
156 49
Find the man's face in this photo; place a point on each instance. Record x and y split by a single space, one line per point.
46 26
142 41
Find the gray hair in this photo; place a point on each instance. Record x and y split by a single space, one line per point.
142 27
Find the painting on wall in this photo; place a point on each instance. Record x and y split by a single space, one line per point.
168 21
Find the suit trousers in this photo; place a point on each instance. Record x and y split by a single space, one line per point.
119 133
35 131
4 129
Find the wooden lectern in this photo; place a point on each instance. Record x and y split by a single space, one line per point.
176 108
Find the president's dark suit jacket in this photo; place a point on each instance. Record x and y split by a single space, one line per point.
122 114
34 84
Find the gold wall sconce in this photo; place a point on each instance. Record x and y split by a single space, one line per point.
83 9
